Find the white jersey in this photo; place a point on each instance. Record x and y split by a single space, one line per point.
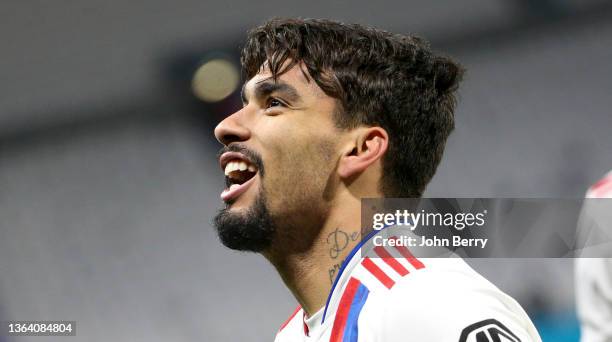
594 275
385 294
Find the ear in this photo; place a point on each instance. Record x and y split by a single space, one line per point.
368 145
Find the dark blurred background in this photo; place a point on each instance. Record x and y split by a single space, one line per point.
108 180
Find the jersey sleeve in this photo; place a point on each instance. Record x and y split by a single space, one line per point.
593 276
452 308
593 298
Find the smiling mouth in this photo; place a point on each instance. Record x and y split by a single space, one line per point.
239 175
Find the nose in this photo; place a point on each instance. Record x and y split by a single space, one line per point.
231 129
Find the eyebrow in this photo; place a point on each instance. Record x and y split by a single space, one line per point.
266 87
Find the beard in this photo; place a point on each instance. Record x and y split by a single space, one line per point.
250 231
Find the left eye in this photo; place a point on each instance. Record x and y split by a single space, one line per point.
274 103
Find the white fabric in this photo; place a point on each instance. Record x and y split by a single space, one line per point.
435 303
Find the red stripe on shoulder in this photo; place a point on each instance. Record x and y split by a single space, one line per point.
377 272
416 263
602 188
290 318
390 260
601 182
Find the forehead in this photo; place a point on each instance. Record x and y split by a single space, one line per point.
297 76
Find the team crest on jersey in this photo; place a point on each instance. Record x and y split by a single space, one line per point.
489 330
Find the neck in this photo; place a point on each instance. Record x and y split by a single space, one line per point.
309 275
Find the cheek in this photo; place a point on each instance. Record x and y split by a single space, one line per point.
298 160
299 175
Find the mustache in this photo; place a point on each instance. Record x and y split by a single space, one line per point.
252 155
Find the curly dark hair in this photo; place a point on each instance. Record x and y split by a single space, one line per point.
379 78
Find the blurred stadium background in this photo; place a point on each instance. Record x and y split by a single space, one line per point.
108 180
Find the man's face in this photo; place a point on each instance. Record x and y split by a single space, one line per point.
279 160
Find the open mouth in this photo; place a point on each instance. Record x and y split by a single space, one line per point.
239 175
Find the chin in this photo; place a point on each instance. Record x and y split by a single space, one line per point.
245 228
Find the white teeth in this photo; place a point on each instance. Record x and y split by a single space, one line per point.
228 168
238 166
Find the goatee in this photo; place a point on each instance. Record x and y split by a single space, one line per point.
251 230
